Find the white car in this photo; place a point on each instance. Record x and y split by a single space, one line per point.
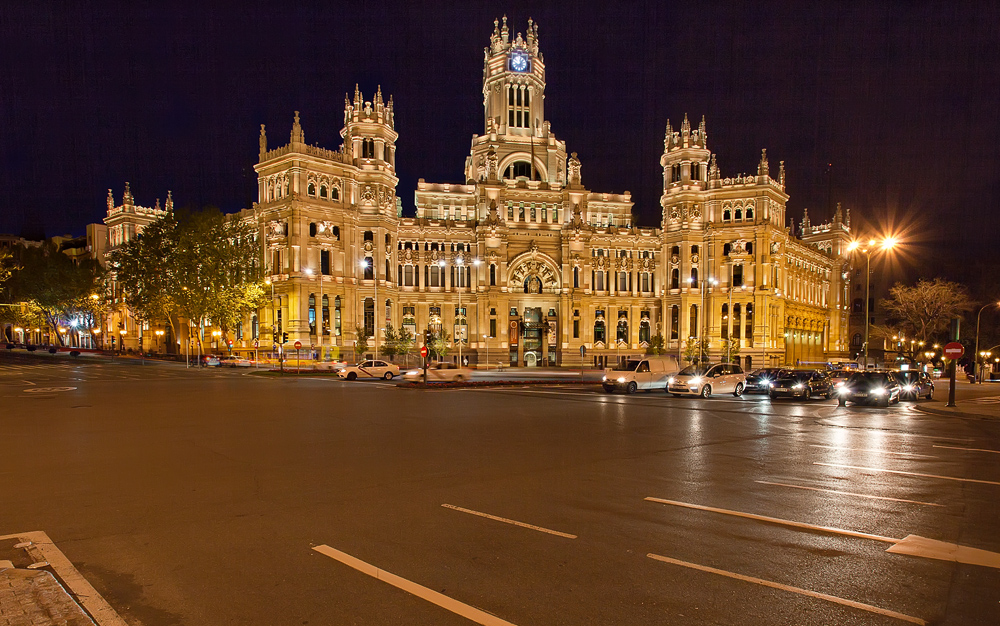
369 369
235 361
439 372
704 380
645 373
330 366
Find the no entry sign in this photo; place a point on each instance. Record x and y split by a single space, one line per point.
298 344
423 350
954 350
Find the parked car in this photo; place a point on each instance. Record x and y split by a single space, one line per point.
210 360
369 369
801 384
704 380
914 384
634 374
235 361
870 387
439 372
759 381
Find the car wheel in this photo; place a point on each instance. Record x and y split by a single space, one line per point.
706 391
829 394
842 402
352 376
388 376
676 395
739 390
460 379
631 387
930 393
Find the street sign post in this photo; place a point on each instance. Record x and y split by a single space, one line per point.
423 351
953 351
298 346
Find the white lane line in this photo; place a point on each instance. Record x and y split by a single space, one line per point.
443 601
968 449
508 521
926 456
914 545
775 520
798 590
889 471
848 493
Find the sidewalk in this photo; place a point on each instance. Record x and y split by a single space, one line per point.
30 595
981 408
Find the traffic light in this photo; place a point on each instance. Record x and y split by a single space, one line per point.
284 337
427 337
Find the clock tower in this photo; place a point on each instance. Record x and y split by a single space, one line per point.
513 82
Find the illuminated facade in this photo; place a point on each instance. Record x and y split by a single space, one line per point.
523 261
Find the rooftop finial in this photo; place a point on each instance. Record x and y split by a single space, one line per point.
762 167
111 200
263 142
297 134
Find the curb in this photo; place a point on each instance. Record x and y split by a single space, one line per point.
956 413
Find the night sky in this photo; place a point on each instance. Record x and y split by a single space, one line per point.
902 98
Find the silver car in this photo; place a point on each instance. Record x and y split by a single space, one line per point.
704 380
439 372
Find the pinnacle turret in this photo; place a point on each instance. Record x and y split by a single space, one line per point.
298 136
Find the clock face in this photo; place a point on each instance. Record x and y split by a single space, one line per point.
519 62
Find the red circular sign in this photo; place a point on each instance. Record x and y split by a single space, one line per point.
423 350
954 350
298 344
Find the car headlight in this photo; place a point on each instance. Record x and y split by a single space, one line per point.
908 388
695 381
770 384
840 384
670 380
604 378
879 391
797 386
621 379
843 390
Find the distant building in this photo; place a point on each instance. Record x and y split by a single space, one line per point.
522 260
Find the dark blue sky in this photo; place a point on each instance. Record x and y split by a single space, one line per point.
901 97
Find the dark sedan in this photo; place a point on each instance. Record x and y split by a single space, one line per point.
802 384
914 384
879 388
759 381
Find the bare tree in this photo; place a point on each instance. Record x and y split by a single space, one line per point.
922 312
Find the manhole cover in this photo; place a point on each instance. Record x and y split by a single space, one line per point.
48 389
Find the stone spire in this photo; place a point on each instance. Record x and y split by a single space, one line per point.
111 200
668 137
713 169
169 205
263 142
838 215
806 224
685 131
127 197
762 167
781 173
297 135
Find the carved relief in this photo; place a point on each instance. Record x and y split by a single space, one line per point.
277 228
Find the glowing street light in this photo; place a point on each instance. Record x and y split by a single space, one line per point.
976 351
867 248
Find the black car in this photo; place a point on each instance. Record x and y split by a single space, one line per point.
759 381
802 384
871 387
914 384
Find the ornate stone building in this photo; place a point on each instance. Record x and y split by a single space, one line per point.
525 262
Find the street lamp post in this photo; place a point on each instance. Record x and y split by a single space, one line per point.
375 307
159 336
886 244
976 352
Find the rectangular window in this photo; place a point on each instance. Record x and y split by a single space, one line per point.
576 329
493 328
324 262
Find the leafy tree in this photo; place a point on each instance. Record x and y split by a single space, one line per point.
397 342
55 284
730 347
694 350
361 343
925 310
440 344
145 272
657 345
6 265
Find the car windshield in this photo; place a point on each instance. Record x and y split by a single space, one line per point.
840 373
767 372
796 375
693 370
627 366
867 378
907 377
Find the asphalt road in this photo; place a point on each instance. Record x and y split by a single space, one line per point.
209 497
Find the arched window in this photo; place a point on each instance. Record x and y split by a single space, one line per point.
334 193
621 335
576 278
644 330
519 169
739 214
727 215
312 314
368 149
599 331
369 317
532 284
311 189
493 275
325 315
322 191
749 217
